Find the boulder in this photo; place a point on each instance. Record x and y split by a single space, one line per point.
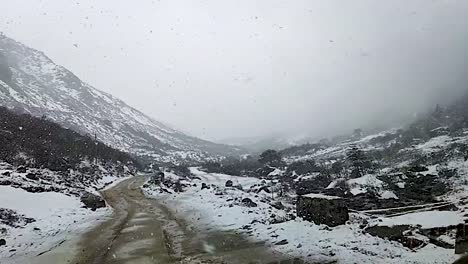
204 186
412 242
229 183
264 189
277 205
6 173
321 209
248 202
178 187
2 242
92 201
32 176
282 242
21 169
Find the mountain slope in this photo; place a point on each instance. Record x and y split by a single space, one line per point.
30 81
36 142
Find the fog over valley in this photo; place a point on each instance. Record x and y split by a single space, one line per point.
243 69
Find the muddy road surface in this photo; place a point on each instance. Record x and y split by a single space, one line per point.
143 231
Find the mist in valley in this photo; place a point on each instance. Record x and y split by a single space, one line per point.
229 70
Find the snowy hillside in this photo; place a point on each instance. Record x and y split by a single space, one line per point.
31 82
402 190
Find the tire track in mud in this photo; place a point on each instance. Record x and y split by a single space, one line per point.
144 231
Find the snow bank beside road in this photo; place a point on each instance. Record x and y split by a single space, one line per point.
222 208
36 205
58 218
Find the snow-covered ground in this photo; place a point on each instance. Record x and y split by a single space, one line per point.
429 219
223 208
33 223
58 217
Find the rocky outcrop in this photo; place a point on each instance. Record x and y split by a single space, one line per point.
249 203
399 233
157 178
11 218
92 201
263 189
32 176
321 209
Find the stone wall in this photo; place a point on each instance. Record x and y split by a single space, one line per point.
326 211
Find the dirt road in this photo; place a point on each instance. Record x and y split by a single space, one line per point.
143 231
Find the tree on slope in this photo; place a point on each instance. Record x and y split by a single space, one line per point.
357 161
270 157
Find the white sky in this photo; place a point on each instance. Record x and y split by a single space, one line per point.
239 68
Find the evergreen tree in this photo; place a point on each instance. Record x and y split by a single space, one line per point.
270 157
357 161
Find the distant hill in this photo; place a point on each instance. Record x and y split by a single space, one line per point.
261 143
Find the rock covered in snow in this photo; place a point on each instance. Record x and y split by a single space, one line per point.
32 176
400 233
92 201
249 203
229 183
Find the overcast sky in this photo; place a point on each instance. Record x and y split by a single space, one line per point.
239 68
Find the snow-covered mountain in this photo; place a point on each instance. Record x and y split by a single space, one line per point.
33 83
